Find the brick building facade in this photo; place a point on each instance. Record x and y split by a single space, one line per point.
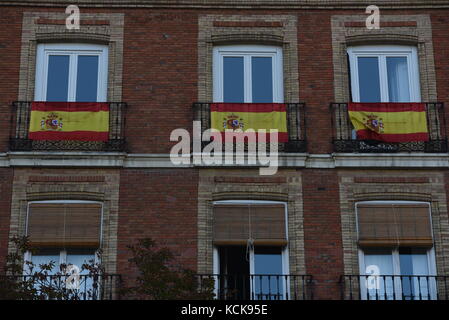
161 62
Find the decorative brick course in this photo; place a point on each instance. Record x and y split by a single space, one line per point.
66 179
391 180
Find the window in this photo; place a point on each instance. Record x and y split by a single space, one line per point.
384 74
250 255
395 240
248 74
66 233
60 256
71 72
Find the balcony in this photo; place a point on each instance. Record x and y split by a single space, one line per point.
344 136
387 287
20 124
296 125
260 287
64 287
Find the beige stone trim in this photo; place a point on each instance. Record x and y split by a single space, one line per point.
107 192
432 191
282 32
290 191
49 31
419 35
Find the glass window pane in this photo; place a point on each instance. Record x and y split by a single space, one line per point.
233 77
45 257
262 79
398 80
268 282
379 288
58 77
413 263
369 84
80 257
85 286
87 78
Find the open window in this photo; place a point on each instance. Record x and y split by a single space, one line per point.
396 254
384 73
250 250
68 234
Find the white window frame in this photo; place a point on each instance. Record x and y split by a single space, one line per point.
247 52
284 252
381 52
62 251
73 50
431 262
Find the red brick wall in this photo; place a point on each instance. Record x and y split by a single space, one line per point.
160 76
440 27
6 176
160 85
160 204
322 231
160 69
10 36
316 77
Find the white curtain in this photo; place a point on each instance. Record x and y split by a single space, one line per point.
398 80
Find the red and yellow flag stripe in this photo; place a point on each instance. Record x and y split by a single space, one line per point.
389 122
84 121
256 116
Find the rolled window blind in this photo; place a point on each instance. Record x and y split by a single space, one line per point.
236 223
64 224
394 225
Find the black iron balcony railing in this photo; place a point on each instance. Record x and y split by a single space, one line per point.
260 287
296 125
65 287
388 287
344 139
20 123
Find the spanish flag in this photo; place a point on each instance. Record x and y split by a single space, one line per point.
256 116
389 122
84 121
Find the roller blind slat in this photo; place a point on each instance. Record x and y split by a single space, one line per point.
64 224
235 224
394 225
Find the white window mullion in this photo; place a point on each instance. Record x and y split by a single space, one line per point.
247 72
252 280
63 257
217 70
383 78
278 77
397 272
102 91
413 67
72 77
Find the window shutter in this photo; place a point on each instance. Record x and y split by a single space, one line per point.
394 225
236 223
64 224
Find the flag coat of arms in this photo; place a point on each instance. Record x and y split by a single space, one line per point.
389 122
256 116
84 121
